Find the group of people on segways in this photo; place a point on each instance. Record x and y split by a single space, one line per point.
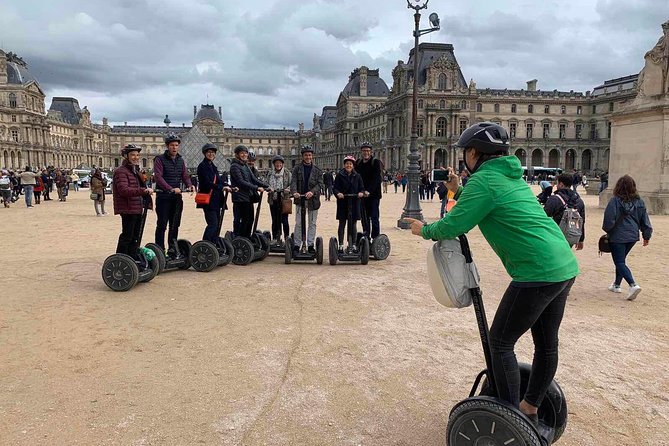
518 404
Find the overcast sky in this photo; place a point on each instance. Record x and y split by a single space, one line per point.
272 63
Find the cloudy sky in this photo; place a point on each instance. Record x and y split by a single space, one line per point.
272 63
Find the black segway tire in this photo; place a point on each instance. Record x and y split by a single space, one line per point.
155 268
288 252
203 256
243 251
229 251
484 420
319 250
553 409
120 272
333 250
364 251
262 243
380 248
184 249
160 255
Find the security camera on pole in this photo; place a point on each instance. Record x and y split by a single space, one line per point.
412 206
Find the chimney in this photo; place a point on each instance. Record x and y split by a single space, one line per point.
532 85
183 124
125 123
105 122
363 81
220 111
194 111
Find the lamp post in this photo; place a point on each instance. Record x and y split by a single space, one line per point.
412 205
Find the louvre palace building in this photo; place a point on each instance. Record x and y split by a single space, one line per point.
565 129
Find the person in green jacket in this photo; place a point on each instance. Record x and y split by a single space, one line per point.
532 249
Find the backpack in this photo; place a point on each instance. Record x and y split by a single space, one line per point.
571 223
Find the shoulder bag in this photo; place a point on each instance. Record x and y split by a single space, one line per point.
604 244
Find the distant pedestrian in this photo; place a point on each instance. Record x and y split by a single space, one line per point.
603 182
405 181
39 188
5 188
624 217
98 184
28 182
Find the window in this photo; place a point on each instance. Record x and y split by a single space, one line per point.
594 109
420 103
496 108
15 135
355 126
579 110
579 129
13 118
442 82
115 162
547 130
441 127
530 108
593 130
75 132
528 130
512 129
610 106
547 109
12 100
513 108
442 104
419 128
563 130
463 105
479 107
463 125
608 130
356 109
563 109
144 162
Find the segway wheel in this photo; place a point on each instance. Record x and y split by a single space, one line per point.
381 247
358 237
160 255
262 243
226 246
364 251
243 249
120 272
288 257
155 267
485 421
333 249
319 250
184 248
203 256
553 409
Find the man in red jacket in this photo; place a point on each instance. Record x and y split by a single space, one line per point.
130 191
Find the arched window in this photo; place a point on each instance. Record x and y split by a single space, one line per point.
479 107
442 82
12 100
513 108
269 150
530 108
260 151
496 108
259 164
463 105
420 103
356 109
442 104
441 127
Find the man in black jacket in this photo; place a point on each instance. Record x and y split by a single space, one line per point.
371 171
328 181
248 187
563 197
306 180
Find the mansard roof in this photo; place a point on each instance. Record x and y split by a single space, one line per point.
376 86
428 53
67 109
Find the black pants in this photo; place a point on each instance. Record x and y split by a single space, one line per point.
46 193
211 215
371 207
351 233
279 220
38 197
243 219
539 309
328 191
128 241
168 210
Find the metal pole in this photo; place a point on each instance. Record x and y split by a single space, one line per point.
412 206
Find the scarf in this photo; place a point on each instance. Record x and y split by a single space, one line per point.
275 180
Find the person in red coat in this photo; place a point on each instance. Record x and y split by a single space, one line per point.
39 188
130 195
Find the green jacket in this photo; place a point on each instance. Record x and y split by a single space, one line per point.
529 243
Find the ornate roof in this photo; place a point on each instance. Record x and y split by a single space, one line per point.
430 53
17 71
67 109
375 85
207 111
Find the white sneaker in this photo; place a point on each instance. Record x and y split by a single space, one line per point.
633 292
615 288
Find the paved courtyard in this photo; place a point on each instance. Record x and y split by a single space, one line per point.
274 354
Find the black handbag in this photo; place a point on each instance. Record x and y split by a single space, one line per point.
604 244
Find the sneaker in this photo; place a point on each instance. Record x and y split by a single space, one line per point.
341 248
633 292
615 288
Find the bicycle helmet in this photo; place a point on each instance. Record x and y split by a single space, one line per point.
486 137
172 138
252 156
130 148
209 146
306 149
241 148
366 144
278 158
350 158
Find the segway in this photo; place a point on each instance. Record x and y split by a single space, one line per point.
247 250
177 256
204 255
485 419
120 272
380 245
303 254
352 252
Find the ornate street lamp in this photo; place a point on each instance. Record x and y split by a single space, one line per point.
412 206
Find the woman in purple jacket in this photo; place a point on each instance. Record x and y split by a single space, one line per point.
130 193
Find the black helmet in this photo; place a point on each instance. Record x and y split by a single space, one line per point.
486 137
172 138
366 144
241 148
306 149
209 146
130 148
277 158
252 156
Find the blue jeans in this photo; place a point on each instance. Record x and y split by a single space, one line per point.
28 192
619 253
442 209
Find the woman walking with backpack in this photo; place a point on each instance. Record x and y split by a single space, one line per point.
624 217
